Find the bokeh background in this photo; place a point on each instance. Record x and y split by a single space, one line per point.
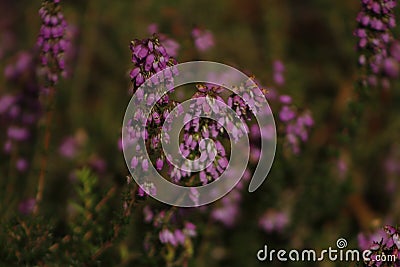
336 186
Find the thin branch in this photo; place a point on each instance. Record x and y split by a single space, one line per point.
44 155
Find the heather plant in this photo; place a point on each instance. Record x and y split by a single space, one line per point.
68 197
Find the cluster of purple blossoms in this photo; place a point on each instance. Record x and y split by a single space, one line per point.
296 125
167 234
178 236
20 112
52 41
227 210
149 56
203 39
197 129
379 52
239 106
383 242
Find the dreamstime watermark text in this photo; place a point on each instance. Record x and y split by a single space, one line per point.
339 253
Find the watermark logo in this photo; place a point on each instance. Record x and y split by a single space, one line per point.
339 253
147 96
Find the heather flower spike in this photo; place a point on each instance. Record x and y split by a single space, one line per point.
149 56
376 44
52 41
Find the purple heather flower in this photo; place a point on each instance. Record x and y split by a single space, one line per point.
166 236
239 106
395 50
391 67
145 165
7 147
134 162
17 133
159 164
194 195
279 66
148 214
68 148
342 168
376 21
203 39
392 166
149 56
152 28
226 214
97 164
6 101
52 41
296 126
278 70
20 112
196 129
147 189
286 114
23 62
227 210
26 206
179 236
285 99
273 221
190 229
22 165
279 79
171 46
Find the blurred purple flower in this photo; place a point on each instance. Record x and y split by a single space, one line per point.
342 168
179 236
12 71
194 195
273 221
190 229
278 70
68 147
286 114
203 39
22 165
6 101
98 164
148 214
226 214
26 206
391 67
17 133
166 236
